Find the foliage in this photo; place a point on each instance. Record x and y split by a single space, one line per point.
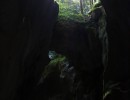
70 13
95 6
71 9
56 64
59 64
108 88
72 17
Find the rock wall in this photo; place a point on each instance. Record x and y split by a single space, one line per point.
118 23
83 44
25 35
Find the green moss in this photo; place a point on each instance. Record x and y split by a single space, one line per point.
71 17
59 59
55 65
95 6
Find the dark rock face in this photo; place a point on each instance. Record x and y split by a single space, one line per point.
57 81
118 24
82 44
25 35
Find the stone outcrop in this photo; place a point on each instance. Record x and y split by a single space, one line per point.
25 38
85 45
25 35
118 24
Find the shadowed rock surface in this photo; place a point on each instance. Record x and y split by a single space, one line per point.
25 35
118 29
25 38
85 45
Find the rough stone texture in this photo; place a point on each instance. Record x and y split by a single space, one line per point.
83 44
25 34
118 24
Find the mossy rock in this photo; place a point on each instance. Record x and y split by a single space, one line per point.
55 65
